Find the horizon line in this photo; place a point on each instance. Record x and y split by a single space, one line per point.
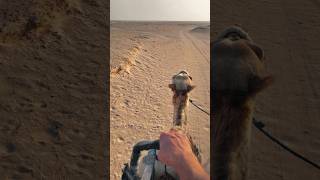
128 20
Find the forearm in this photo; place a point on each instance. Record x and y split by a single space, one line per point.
190 169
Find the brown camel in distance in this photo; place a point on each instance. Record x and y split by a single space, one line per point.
238 76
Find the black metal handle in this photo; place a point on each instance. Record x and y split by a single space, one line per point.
136 152
142 146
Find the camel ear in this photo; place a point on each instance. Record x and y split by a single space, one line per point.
259 52
172 87
257 84
190 87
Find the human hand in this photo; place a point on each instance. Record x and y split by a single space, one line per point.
174 147
175 151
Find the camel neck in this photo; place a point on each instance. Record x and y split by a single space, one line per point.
231 138
180 110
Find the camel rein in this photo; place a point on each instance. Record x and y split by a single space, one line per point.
260 125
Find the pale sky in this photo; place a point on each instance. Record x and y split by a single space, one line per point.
160 10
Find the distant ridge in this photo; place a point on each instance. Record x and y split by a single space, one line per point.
201 29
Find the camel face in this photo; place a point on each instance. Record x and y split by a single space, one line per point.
238 64
181 83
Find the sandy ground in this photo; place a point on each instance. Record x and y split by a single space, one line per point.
288 30
148 54
52 59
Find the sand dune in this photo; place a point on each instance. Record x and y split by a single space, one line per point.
141 104
201 29
123 53
52 59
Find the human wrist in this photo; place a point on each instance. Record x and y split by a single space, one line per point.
188 167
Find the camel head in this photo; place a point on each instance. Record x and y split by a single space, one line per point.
181 83
238 66
238 75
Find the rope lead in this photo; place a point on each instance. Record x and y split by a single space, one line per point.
260 125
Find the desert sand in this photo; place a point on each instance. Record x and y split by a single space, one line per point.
288 31
53 55
144 57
